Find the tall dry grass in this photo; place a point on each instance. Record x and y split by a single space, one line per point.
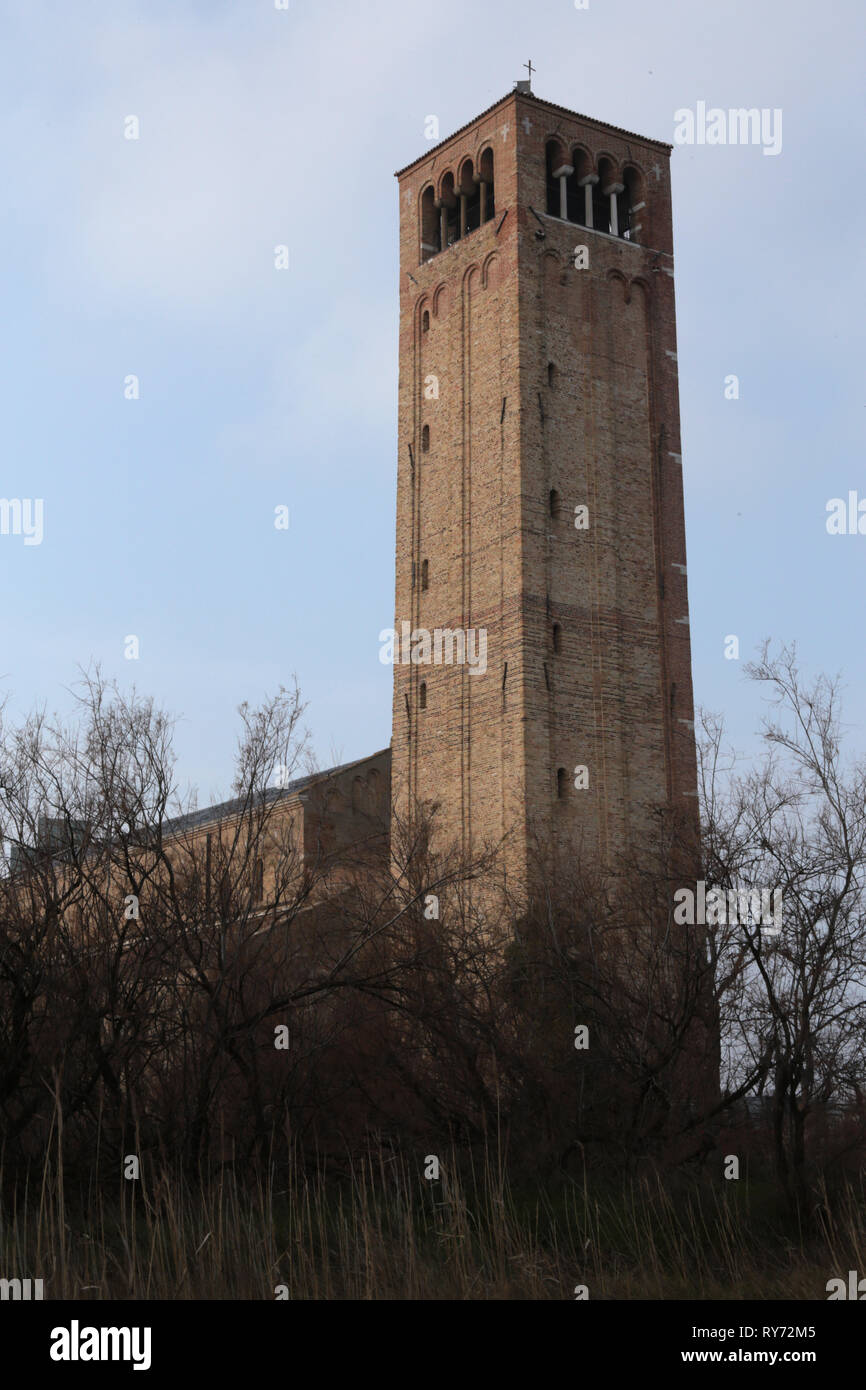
379 1230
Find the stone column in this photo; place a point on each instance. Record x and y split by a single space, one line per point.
586 183
482 193
461 223
611 191
563 173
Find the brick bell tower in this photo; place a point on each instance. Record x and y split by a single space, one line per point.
540 522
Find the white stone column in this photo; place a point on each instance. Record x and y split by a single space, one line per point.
611 191
563 173
586 183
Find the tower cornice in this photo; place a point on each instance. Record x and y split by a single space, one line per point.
537 103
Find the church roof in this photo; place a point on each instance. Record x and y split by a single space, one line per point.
223 810
552 105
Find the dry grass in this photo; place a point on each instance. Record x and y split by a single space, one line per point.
380 1231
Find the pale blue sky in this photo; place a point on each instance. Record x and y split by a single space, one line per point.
260 387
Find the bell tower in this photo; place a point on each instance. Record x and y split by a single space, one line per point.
542 677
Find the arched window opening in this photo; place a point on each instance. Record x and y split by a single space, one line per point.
555 505
473 208
601 197
560 183
557 638
611 190
425 440
622 213
258 880
561 783
431 242
600 209
551 375
553 160
357 795
425 321
577 200
469 194
486 198
449 211
425 574
375 783
422 695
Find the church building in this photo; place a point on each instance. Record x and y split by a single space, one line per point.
542 671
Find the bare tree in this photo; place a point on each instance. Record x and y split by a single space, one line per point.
791 996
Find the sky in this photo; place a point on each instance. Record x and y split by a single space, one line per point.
258 388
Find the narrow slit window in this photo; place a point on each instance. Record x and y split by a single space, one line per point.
487 201
431 226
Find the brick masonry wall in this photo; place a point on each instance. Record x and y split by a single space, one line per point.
504 302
